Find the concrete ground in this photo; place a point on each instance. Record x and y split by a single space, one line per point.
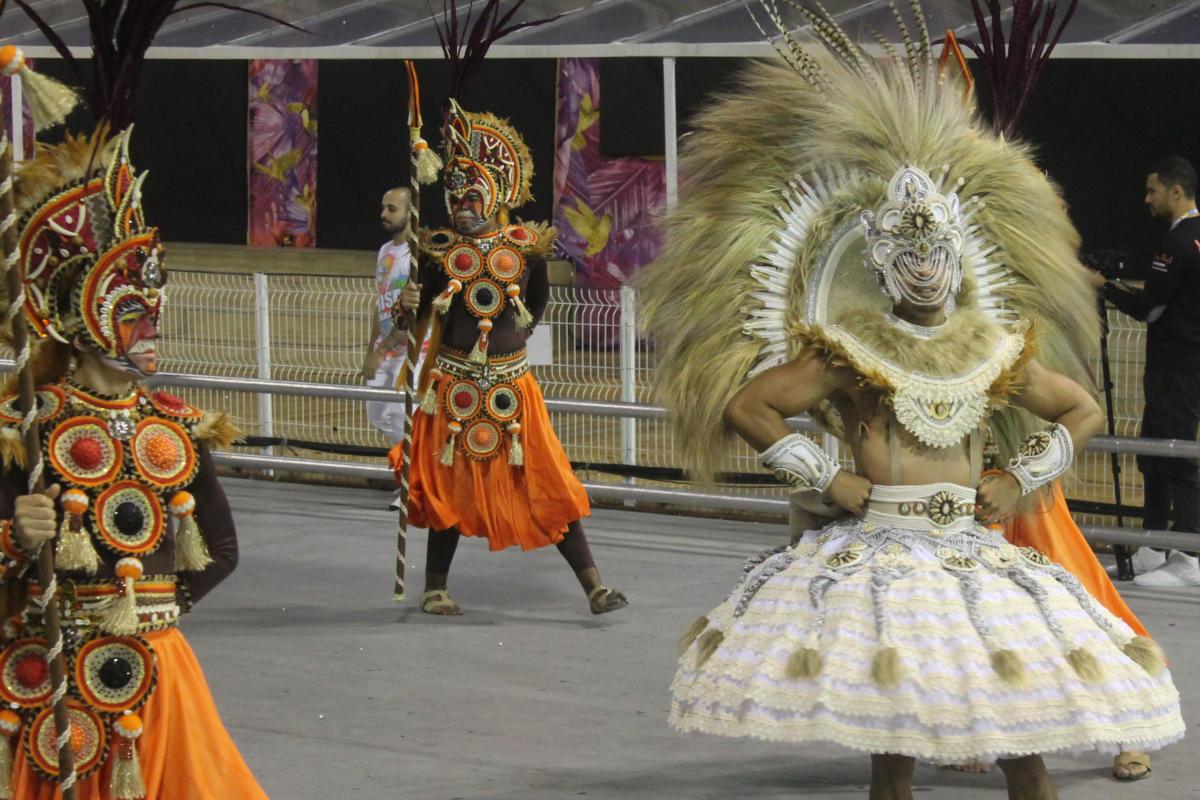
334 691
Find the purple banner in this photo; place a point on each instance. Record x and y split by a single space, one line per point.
283 153
603 207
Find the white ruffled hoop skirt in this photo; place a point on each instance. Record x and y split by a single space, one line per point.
945 646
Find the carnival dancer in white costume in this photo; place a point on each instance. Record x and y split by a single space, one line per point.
909 630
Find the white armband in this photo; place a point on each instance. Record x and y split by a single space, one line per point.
1042 457
799 462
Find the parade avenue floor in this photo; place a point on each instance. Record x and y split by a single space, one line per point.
332 690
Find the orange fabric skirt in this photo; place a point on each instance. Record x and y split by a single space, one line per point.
185 752
1052 532
528 506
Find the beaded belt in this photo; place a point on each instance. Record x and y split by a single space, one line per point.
498 369
85 603
932 506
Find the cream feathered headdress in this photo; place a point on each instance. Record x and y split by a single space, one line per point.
767 238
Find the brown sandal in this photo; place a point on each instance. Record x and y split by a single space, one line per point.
1131 759
438 603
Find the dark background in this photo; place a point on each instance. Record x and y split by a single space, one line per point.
1098 126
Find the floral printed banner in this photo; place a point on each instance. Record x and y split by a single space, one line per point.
283 152
6 94
603 207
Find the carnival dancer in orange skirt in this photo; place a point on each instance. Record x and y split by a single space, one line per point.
139 523
485 459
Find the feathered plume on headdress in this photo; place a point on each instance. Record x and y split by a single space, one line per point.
1014 62
122 31
773 180
482 152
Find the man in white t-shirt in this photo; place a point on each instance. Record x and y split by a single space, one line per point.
386 346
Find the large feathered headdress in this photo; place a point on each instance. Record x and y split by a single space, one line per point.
767 237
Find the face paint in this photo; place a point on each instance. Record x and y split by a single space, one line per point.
135 331
468 213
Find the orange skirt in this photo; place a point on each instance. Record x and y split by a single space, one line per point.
528 506
1052 532
185 752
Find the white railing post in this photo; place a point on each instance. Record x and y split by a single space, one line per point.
629 375
670 132
262 350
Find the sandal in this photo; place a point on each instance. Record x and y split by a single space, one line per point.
603 600
1131 760
438 603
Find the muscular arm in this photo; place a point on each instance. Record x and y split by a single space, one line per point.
1056 398
759 412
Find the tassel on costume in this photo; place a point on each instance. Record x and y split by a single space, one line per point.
1146 652
708 643
447 455
1008 666
429 164
479 351
1085 664
441 303
885 667
691 633
49 101
516 451
125 780
10 725
121 618
75 551
804 663
191 553
524 318
429 401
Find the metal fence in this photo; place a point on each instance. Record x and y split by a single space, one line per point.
315 328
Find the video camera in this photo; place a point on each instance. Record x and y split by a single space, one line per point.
1112 264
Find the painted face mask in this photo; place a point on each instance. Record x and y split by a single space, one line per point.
93 270
915 241
486 156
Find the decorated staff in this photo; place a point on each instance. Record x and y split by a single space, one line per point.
423 168
50 102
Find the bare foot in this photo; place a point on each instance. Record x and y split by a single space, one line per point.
438 603
603 600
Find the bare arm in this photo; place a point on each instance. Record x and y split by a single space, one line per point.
1056 398
759 412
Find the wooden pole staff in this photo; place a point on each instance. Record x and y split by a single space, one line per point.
33 459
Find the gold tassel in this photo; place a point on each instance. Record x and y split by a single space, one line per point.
479 351
429 401
691 633
441 303
1008 666
429 164
191 552
885 667
516 452
10 725
523 318
1085 664
804 663
49 101
75 551
708 644
121 617
1146 652
447 454
125 780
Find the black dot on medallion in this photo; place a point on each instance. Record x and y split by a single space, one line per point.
129 518
484 296
503 402
115 672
